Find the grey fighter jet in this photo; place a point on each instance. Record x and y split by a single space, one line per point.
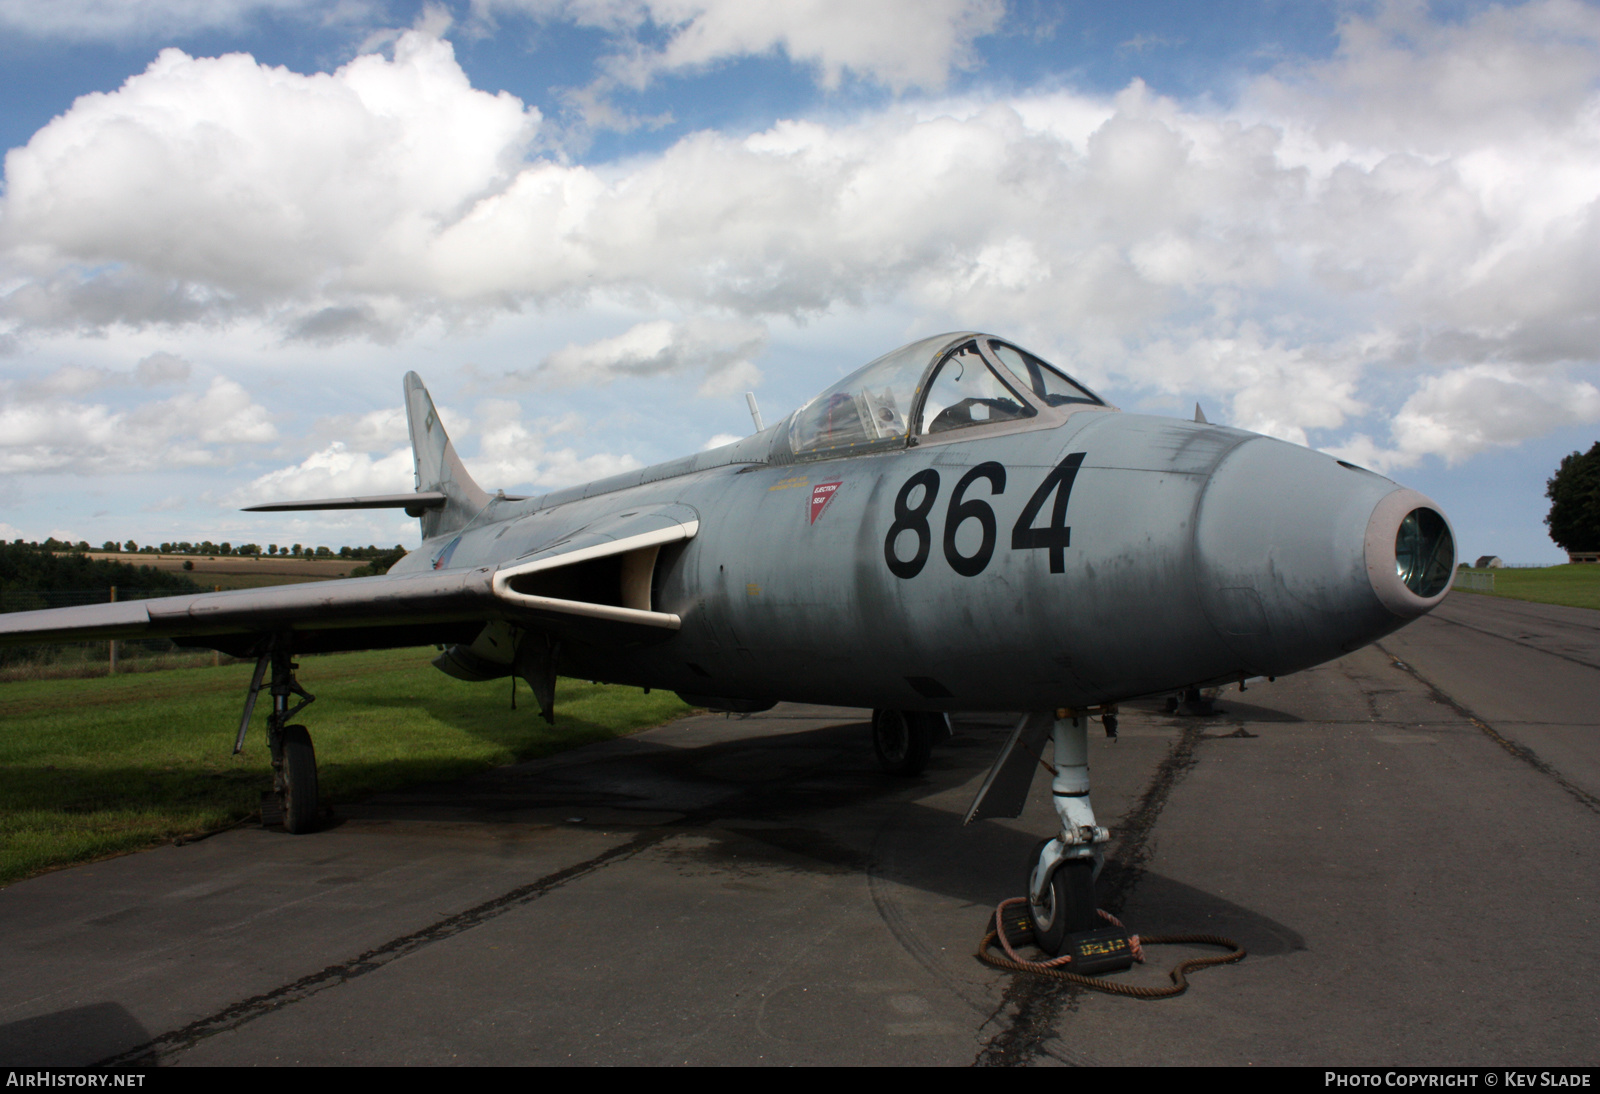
956 526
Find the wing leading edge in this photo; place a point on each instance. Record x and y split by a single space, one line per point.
579 579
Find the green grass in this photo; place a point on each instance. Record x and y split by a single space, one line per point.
1577 586
90 768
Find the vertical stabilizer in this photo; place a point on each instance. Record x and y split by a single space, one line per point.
437 465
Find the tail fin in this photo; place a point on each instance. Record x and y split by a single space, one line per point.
437 465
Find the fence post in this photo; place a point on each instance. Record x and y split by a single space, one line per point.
113 669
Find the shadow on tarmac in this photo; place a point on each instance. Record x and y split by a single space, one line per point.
67 1038
814 801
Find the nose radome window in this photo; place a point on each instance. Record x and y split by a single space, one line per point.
1424 553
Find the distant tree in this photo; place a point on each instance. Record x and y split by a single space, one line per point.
27 569
323 552
272 548
109 546
295 550
1574 493
224 548
130 546
380 563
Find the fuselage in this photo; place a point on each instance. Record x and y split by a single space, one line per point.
1080 561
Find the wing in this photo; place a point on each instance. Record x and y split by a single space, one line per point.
600 574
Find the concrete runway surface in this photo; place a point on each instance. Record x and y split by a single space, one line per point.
1406 840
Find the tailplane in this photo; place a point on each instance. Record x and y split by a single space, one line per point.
438 468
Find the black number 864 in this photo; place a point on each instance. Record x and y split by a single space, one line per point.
1055 537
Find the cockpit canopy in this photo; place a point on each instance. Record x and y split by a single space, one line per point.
948 382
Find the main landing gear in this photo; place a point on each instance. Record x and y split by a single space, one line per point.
293 800
904 739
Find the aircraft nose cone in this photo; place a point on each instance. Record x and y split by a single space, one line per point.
1410 552
1303 558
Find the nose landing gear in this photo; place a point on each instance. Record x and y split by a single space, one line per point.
1061 901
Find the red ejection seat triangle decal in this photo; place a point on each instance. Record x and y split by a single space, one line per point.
821 495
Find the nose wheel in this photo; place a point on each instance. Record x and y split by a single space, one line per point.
1066 905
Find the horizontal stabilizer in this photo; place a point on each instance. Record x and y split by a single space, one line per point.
418 500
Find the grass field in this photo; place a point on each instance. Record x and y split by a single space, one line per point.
240 571
1577 586
90 768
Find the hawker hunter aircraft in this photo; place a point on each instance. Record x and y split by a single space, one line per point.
956 526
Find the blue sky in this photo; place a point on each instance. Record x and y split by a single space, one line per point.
591 225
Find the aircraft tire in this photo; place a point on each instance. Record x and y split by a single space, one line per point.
1069 906
299 781
903 741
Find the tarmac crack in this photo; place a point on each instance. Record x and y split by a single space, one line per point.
167 1045
1036 1003
1514 642
1520 751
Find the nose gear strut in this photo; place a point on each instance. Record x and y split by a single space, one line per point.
1059 913
1061 900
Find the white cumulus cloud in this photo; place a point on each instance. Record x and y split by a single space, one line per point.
211 187
513 452
721 352
1475 409
335 471
510 453
899 43
1421 209
45 429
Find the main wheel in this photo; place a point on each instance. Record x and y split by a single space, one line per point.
903 741
1068 905
299 781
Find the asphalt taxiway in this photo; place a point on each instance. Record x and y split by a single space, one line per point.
1406 840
